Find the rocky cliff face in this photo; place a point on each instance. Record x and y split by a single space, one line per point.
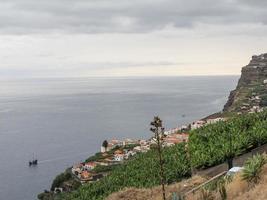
250 94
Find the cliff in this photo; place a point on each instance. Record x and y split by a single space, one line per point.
250 94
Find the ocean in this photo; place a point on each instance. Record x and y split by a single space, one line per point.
62 121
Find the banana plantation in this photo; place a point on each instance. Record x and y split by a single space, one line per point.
208 146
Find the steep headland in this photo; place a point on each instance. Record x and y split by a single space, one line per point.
251 92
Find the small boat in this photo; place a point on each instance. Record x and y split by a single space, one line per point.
33 162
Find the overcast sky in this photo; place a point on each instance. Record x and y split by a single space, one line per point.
63 38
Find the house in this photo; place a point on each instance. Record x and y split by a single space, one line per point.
137 149
143 142
183 137
119 157
175 139
175 130
215 120
58 190
77 169
255 109
183 128
244 108
89 165
129 142
197 124
115 143
145 148
102 163
170 141
129 154
118 151
103 149
85 176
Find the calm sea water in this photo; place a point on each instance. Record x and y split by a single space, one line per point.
63 121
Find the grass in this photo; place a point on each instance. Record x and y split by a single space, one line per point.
155 192
240 188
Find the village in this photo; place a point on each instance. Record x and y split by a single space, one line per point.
116 152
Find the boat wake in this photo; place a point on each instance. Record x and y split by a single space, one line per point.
67 157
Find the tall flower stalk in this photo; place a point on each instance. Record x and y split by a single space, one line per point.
158 130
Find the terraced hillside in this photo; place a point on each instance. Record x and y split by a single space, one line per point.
250 94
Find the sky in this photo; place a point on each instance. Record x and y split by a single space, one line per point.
67 38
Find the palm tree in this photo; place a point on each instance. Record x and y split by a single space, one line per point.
158 131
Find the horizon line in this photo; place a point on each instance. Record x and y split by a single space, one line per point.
115 76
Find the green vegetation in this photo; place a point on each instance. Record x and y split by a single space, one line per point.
210 145
252 169
259 89
263 102
60 179
139 172
103 169
99 156
207 147
45 196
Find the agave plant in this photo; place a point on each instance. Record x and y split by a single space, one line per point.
252 168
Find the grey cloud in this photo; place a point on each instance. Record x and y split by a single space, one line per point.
110 16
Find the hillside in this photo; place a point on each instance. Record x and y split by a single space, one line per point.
251 91
237 189
208 146
155 192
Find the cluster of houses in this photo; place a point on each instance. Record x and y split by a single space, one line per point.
118 151
138 146
253 105
175 138
83 172
200 123
182 131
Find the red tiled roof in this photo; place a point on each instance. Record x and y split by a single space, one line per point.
85 174
91 164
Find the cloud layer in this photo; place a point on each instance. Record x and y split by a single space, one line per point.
52 38
121 16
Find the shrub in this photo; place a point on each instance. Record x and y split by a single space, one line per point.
252 168
61 178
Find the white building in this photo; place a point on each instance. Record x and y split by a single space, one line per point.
215 120
129 142
129 154
89 165
197 124
77 169
103 149
119 157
